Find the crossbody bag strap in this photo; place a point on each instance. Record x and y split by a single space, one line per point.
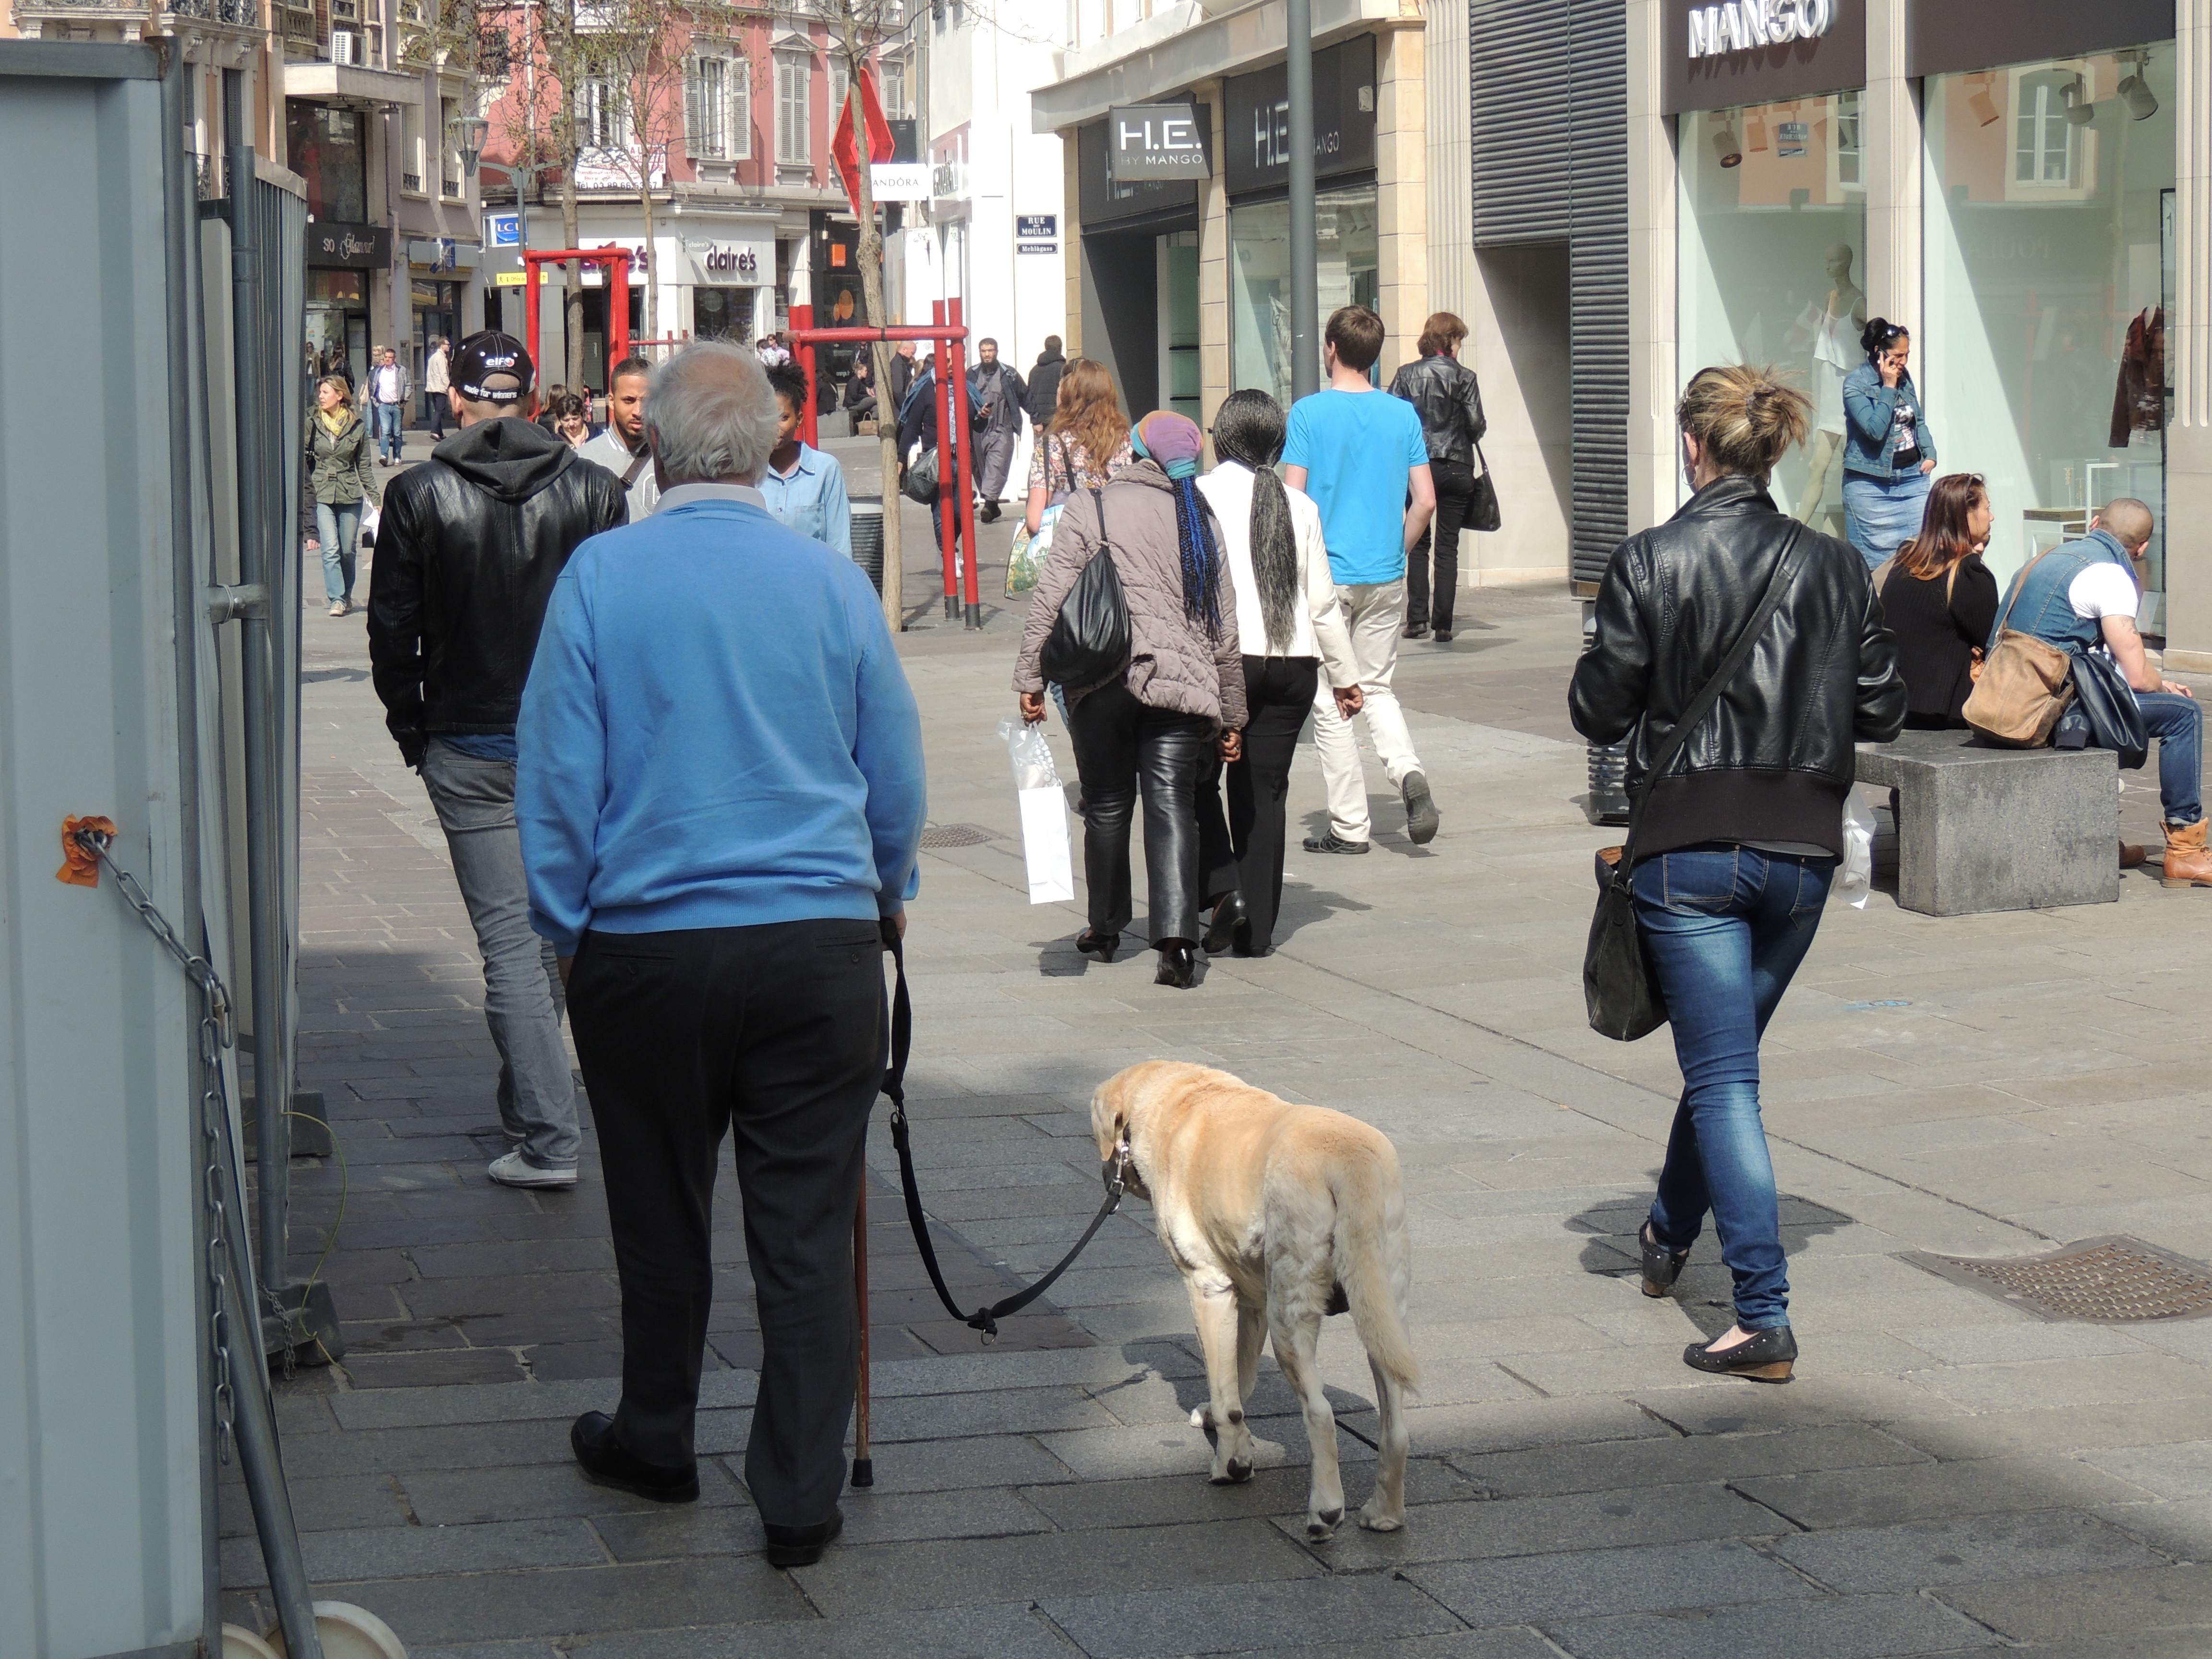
2019 583
638 464
1777 588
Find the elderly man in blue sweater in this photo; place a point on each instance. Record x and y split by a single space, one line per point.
720 796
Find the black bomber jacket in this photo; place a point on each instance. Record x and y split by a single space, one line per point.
467 553
1774 758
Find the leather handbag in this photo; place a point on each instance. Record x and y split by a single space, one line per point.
1482 512
1090 639
919 483
2025 684
1619 990
2116 720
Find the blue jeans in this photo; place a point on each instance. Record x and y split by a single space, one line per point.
337 526
1726 928
2177 723
1880 516
384 427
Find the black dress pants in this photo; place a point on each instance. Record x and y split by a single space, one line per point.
1242 853
775 1035
1455 482
1121 745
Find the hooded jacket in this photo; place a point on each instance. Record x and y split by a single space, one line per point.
466 557
1775 758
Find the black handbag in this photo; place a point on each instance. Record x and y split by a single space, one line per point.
1090 639
1482 512
1619 990
2102 691
919 483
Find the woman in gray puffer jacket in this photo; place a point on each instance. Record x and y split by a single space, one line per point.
339 478
1181 692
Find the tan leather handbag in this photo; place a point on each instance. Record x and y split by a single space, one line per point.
2026 684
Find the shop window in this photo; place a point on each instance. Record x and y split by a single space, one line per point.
1772 252
1346 241
324 146
722 313
794 113
2049 248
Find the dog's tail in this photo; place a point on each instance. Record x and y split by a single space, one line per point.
1373 1259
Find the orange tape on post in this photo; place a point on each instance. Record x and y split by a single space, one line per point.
80 868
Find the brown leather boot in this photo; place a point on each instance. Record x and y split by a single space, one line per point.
2188 864
2131 856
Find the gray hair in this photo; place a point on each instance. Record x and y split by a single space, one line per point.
709 413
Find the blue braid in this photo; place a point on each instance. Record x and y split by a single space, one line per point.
1202 558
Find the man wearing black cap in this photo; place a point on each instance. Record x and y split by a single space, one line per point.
466 556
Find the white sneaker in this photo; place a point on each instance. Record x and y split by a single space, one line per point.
513 1170
339 607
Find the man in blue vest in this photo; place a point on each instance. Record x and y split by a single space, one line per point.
2086 593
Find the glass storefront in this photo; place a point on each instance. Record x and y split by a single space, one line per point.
722 313
1772 267
2050 267
325 148
1345 238
337 324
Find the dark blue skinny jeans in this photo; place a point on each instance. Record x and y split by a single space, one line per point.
1727 927
2177 723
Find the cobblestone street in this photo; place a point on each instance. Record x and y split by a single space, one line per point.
1949 1474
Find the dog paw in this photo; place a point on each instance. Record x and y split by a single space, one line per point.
1239 1470
1322 1526
1381 1523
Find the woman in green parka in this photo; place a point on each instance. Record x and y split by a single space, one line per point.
339 477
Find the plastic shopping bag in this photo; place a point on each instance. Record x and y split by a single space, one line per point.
1045 843
1854 879
371 517
1026 561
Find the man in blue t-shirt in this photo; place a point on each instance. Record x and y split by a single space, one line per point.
1358 452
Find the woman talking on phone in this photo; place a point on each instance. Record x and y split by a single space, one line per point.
1888 450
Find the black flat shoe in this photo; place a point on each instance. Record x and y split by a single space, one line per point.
1763 1357
1101 945
1442 636
1331 843
1178 965
1417 630
802 1547
1228 916
607 1462
1662 1266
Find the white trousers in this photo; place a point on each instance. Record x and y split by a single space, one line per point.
1374 612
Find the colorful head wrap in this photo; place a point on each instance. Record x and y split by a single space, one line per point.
1173 442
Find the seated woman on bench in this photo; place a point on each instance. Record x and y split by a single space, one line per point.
1940 600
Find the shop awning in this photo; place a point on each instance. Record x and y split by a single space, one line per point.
350 84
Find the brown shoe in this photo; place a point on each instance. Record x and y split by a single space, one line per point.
2187 862
2131 856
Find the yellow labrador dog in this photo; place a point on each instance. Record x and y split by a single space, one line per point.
1276 1215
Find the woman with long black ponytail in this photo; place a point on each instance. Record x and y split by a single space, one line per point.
1290 631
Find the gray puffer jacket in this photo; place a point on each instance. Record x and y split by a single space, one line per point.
1173 665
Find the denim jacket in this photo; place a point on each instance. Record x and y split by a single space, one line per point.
2039 603
1870 417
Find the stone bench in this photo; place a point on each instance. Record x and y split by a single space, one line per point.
1989 829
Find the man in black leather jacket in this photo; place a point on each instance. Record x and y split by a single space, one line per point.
1444 392
468 549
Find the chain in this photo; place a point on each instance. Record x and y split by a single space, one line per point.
215 1035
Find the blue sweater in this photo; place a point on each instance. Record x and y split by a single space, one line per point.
716 733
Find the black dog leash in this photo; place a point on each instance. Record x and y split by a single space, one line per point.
985 1320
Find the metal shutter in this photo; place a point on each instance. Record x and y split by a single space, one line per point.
1522 116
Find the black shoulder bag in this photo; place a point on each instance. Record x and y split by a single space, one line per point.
1619 987
1090 639
2115 719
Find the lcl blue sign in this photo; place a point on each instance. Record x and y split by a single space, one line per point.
502 230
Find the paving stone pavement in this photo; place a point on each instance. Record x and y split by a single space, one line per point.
1947 1474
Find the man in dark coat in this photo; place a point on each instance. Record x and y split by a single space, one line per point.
1044 384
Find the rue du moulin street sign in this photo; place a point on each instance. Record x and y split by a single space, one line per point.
1156 141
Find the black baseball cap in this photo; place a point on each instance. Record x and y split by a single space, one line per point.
492 368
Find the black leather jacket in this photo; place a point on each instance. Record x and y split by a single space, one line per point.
1774 759
466 556
1445 392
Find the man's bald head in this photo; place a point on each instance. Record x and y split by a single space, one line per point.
2129 520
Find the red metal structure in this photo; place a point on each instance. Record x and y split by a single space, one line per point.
616 261
951 333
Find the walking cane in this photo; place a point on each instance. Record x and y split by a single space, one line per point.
864 1466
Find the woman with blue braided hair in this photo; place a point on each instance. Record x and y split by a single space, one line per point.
1146 728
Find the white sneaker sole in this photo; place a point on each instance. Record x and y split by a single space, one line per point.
535 1177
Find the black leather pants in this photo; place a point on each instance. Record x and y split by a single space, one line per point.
1121 745
1242 851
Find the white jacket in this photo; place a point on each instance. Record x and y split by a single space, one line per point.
435 378
1317 627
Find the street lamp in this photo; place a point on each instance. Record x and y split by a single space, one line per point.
468 132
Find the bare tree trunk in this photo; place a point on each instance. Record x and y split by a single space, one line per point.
572 308
652 261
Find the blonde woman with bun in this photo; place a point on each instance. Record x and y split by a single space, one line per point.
1735 848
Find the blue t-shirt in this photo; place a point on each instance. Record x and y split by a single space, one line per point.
1357 448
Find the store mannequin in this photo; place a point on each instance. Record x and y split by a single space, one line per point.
1834 330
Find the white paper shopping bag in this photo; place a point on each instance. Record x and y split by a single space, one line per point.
1045 845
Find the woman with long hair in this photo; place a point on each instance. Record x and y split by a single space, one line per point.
1734 849
1086 444
1888 450
1290 628
1147 724
1941 601
340 479
1450 400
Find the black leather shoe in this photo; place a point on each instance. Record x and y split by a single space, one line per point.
1763 1357
1330 843
1101 945
801 1546
607 1462
1417 630
1178 965
1229 918
1662 1266
1442 636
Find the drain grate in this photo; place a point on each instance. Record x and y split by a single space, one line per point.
956 834
2115 1280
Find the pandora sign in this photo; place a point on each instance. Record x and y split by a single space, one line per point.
1749 25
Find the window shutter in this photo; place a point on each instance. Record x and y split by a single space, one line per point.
694 108
741 108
